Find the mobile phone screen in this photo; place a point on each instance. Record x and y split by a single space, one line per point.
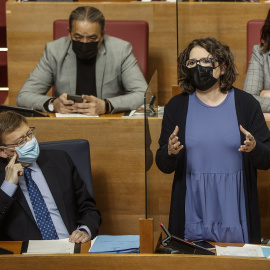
203 243
75 98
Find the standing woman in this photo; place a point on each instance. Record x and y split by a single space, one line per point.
257 80
214 137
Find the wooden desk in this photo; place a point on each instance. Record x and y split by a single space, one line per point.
125 261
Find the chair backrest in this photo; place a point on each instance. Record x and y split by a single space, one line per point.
253 36
135 32
3 13
79 152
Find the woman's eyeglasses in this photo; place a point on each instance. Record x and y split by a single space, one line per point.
204 62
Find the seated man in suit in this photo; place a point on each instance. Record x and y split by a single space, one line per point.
41 193
100 68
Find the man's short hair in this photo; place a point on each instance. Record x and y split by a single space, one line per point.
87 13
9 121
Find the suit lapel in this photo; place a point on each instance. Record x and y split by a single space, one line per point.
20 198
71 70
100 68
51 177
22 201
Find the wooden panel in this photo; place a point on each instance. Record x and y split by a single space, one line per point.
103 1
117 159
146 235
130 261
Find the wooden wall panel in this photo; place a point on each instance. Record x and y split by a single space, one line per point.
131 262
117 162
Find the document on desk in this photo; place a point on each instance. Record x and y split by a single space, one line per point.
61 246
73 115
245 251
116 244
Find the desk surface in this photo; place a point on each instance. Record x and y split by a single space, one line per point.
124 261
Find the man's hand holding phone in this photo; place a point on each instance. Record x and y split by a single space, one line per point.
13 170
75 98
63 105
88 105
91 106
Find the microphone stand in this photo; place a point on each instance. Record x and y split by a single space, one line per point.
177 45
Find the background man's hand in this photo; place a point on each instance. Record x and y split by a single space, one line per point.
91 106
63 105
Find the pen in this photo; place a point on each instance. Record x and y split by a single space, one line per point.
165 229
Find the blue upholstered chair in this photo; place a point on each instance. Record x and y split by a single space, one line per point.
79 152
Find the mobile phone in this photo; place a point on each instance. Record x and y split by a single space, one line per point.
203 243
75 98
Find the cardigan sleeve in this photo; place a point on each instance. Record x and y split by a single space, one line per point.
165 162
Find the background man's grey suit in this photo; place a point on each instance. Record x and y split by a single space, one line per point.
117 72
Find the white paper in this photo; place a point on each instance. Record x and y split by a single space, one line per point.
61 246
245 251
73 115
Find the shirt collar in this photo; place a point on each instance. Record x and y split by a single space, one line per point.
34 167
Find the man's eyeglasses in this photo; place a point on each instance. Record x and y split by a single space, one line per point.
204 62
22 141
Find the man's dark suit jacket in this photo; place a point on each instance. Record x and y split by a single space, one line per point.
73 201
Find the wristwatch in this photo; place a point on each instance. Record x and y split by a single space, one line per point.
107 106
50 105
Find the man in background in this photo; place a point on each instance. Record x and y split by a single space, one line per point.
99 68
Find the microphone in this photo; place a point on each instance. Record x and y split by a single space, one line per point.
165 229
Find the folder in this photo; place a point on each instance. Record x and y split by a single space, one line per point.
116 244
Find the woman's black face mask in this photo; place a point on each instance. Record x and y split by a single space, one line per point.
201 77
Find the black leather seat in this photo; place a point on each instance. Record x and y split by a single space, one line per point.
79 152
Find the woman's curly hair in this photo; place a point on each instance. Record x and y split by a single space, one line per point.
222 55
